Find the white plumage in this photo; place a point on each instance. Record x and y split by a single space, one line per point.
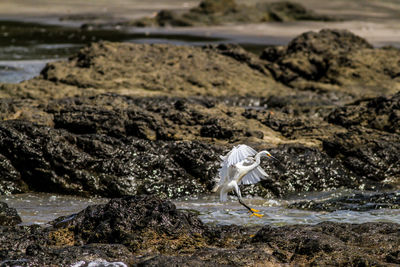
240 166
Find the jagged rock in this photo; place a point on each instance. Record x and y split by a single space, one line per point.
52 160
114 145
335 60
8 216
302 169
331 243
11 181
140 223
216 12
370 154
147 231
381 113
143 69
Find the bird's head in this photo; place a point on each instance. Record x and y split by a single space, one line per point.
267 154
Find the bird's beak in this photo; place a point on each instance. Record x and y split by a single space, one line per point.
273 157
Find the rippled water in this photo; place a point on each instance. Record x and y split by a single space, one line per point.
275 211
42 208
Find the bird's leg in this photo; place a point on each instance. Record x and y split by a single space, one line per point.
253 211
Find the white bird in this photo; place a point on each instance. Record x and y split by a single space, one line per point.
240 166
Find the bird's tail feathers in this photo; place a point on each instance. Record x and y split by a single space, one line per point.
223 196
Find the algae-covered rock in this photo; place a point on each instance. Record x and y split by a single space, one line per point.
143 69
217 12
335 60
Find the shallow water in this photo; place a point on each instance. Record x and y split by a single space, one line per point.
275 211
40 208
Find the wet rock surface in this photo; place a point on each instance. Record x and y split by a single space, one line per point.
141 223
147 231
334 243
217 12
370 145
8 216
53 160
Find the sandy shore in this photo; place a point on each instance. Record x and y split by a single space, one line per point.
375 20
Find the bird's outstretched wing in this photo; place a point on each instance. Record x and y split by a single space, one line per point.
254 176
237 154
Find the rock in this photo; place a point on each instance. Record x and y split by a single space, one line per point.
147 231
217 12
370 146
30 245
381 113
304 169
51 160
289 11
11 181
113 145
357 202
368 153
123 142
8 216
335 60
158 69
142 223
331 243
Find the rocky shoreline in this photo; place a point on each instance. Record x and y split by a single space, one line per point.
123 119
216 12
99 125
144 230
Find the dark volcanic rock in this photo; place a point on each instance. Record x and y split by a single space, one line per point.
302 169
371 144
369 153
381 113
140 223
34 246
114 145
335 60
358 202
52 160
11 181
8 216
144 230
336 244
